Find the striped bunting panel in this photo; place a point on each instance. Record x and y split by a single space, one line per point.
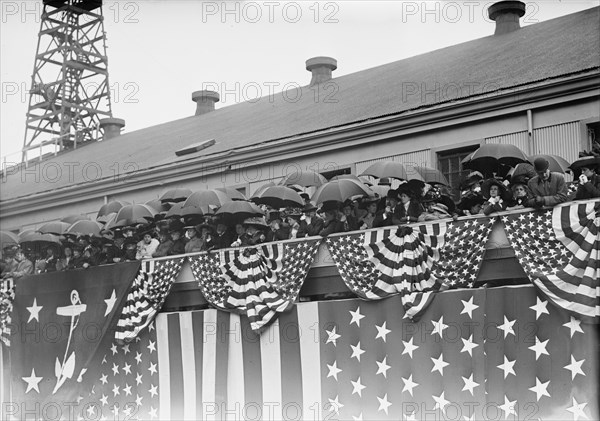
147 295
259 282
559 250
7 297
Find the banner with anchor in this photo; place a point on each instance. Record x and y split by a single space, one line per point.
62 321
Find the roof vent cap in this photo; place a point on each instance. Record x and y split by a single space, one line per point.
506 14
111 127
205 101
321 69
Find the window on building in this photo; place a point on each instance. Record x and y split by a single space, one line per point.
341 171
594 136
449 165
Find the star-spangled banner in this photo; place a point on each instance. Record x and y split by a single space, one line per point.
559 249
64 322
259 282
412 261
147 295
7 297
486 353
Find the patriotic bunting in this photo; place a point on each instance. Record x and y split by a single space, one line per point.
7 296
147 295
559 250
259 282
411 261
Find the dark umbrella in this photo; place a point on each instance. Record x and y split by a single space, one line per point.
522 173
159 205
136 212
204 198
56 228
91 228
432 176
36 241
232 193
176 195
111 207
347 177
586 161
74 218
490 156
7 238
238 211
390 169
279 197
557 163
175 211
340 191
262 188
306 178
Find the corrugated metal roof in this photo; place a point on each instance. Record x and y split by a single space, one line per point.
558 47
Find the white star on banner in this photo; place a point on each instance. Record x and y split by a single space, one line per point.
127 368
152 413
32 382
469 345
382 331
409 347
116 390
439 364
104 378
382 367
336 405
540 308
356 316
507 327
356 351
574 325
577 410
127 389
440 402
113 349
359 418
438 327
110 303
409 385
540 389
469 307
153 390
152 368
508 407
332 337
575 367
125 349
539 348
384 404
507 367
151 346
469 384
138 357
357 387
138 379
34 311
333 370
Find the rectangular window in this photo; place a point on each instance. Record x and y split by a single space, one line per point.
449 165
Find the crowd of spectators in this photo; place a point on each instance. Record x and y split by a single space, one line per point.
413 201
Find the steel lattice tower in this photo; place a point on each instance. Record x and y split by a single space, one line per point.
70 90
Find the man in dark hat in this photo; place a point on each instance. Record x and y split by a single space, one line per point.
331 224
310 223
547 188
471 203
278 231
255 228
385 218
589 182
130 249
176 233
223 237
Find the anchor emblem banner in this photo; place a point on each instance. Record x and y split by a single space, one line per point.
63 323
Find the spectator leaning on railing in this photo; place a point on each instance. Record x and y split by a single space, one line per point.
589 182
19 265
547 188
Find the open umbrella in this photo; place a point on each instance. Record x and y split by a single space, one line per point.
136 212
176 195
340 191
279 197
74 218
347 177
262 188
305 178
490 156
465 163
232 193
7 238
557 163
56 228
238 210
111 207
175 211
159 205
432 176
390 169
36 241
202 199
91 228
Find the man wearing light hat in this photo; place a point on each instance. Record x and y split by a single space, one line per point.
547 188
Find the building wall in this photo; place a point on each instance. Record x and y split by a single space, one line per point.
557 130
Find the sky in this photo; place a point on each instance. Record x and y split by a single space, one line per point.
159 52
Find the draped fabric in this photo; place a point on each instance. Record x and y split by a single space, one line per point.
559 249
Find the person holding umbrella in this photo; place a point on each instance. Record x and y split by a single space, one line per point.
547 188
